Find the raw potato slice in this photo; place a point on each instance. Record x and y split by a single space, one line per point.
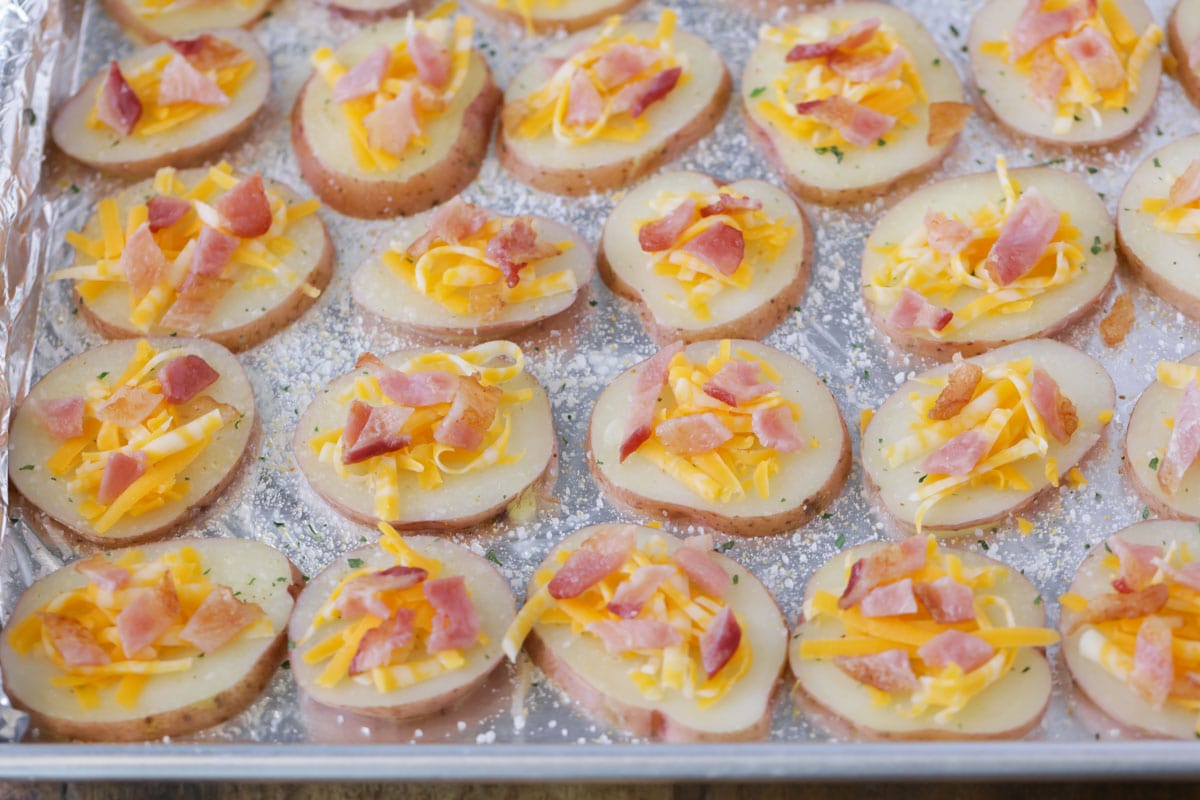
461 501
457 140
385 294
182 18
1006 710
748 314
548 16
1146 441
1080 378
253 309
218 686
187 144
679 120
1164 259
1005 90
1183 31
856 174
374 10
490 593
205 478
1051 312
808 479
583 668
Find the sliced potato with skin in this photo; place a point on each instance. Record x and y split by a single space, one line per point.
389 296
1005 91
553 15
808 479
494 603
1005 710
585 670
187 144
189 17
457 140
253 309
1183 29
748 314
461 501
1051 311
857 174
1146 441
374 10
205 478
1111 694
216 687
1165 260
679 120
1080 378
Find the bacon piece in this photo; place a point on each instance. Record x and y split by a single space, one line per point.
360 594
455 620
1119 322
1186 188
205 283
660 234
62 417
946 120
426 387
515 245
184 377
721 247
636 97
958 391
865 67
633 593
430 57
853 37
599 556
719 641
163 211
1096 57
737 382
623 61
245 210
212 254
365 78
584 103
452 222
725 203
647 386
775 427
1137 564
623 635
120 471
183 83
856 123
103 573
391 126
1153 670
375 433
947 600
701 568
889 563
1123 605
74 642
118 106
946 235
966 650
1024 237
1036 26
1184 444
695 433
890 600
470 415
1046 80
218 619
1056 410
957 456
206 51
378 646
147 616
128 406
890 671
913 311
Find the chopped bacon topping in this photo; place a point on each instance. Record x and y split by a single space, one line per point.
957 456
958 391
912 310
184 377
147 616
365 77
946 120
1122 605
360 594
631 595
719 641
163 211
1095 55
660 234
775 427
378 646
120 471
128 406
455 620
373 430
1119 322
725 203
1153 670
245 210
1186 188
598 557
118 107
1056 409
853 37
890 600
737 382
205 283
206 51
695 433
864 67
622 62
515 245
142 261
1036 26
721 247
425 387
966 650
391 126
947 235
855 122
890 671
1046 80
430 57
636 97
1184 444
103 573
470 415
62 417
73 641
623 635
647 386
1024 237
889 563
213 253
183 83
947 600
218 619
452 222
1137 564
701 568
584 103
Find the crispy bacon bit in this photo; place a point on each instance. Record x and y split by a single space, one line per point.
966 650
1186 188
957 456
103 573
128 406
776 427
515 245
623 635
1137 564
890 671
207 52
584 103
727 203
889 563
855 122
74 642
218 619
1024 237
184 377
947 600
120 471
470 415
452 222
391 126
163 211
147 616
245 210
958 391
695 433
633 593
143 261
62 417
721 247
648 384
360 594
373 430
853 37
1153 670
890 600
1036 26
636 97
737 382
1119 322
1184 444
622 62
719 641
183 83
365 77
946 120
379 645
1122 605
660 234
1046 80
947 235
455 620
1095 55
430 57
1056 409
425 387
864 67
599 556
913 311
118 106
701 568
205 283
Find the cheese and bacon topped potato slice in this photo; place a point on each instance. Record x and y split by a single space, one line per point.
401 629
958 267
429 439
845 102
915 640
152 20
706 260
166 105
203 252
1076 72
397 119
968 443
1162 442
1183 37
606 106
661 636
733 435
143 643
122 442
548 16
463 272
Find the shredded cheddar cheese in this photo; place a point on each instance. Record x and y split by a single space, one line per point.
1183 219
525 8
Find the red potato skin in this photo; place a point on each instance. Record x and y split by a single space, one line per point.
544 26
399 8
1179 49
1146 495
120 11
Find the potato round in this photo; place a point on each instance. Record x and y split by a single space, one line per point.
184 145
493 601
1081 379
1114 697
189 18
585 670
387 295
1005 91
1146 439
250 311
679 120
31 445
1183 29
374 10
458 139
808 480
217 686
858 174
777 287
461 501
1051 311
568 15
